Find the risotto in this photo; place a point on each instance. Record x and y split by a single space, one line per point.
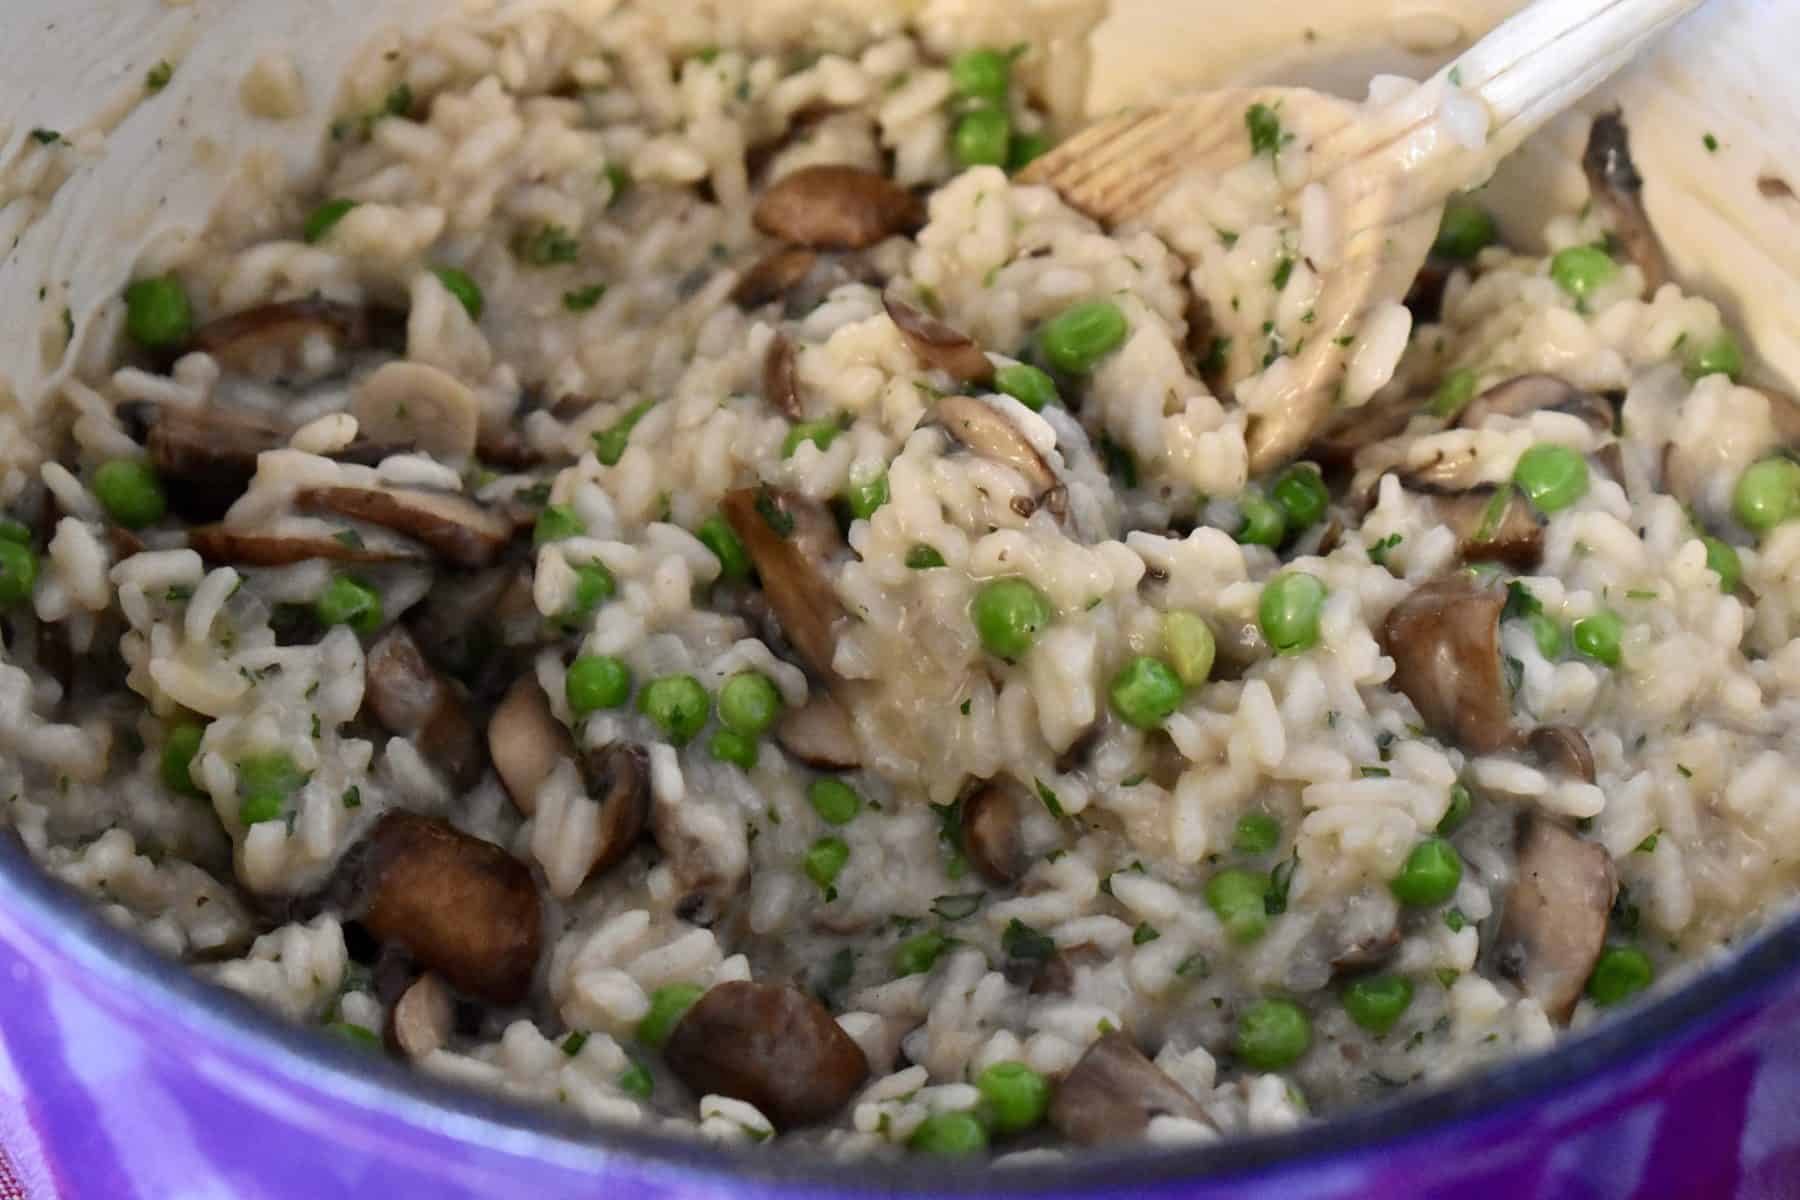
670 582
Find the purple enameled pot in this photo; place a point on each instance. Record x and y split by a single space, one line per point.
124 1077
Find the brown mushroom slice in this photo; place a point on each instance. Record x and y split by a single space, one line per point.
771 1046
1523 395
1618 188
1356 429
1493 525
993 818
774 276
254 548
1111 1095
410 698
1056 975
423 1018
419 407
781 382
618 777
790 539
1554 925
820 734
987 432
835 207
708 874
1363 932
456 529
937 345
527 742
272 340
464 907
1444 639
1563 748
206 457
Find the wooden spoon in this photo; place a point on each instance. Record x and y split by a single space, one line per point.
1385 170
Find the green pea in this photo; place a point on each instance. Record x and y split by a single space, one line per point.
1009 614
1189 646
1582 270
1076 339
1145 691
555 523
1300 492
1465 230
1026 384
730 746
668 1004
1376 1002
835 801
1767 494
1017 1097
1289 611
1272 1034
1547 634
924 558
981 74
465 289
1026 149
1256 833
1430 874
1619 972
349 601
749 703
595 682
982 138
321 220
179 751
819 433
677 705
157 313
1552 477
949 1134
14 531
1598 636
1723 559
265 782
1720 356
1462 802
594 586
1239 899
866 497
717 535
824 859
18 572
919 953
636 1080
130 492
1454 393
610 443
1264 521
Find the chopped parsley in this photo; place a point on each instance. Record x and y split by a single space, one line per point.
1145 932
1379 551
572 1044
353 797
772 513
46 137
1711 143
582 299
1021 941
957 907
1284 271
157 77
1050 801
1264 124
548 246
1648 845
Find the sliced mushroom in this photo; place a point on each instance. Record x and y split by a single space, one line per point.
708 870
774 276
1444 639
791 539
206 457
411 699
273 340
771 1046
1493 525
781 383
250 548
1056 975
527 742
993 818
1614 180
618 778
1554 925
412 405
1523 395
820 734
456 529
1113 1092
1355 430
1565 749
938 346
464 907
834 207
987 432
1362 932
423 1018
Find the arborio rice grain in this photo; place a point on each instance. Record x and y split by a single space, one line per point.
714 646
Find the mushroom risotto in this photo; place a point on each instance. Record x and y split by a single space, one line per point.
669 581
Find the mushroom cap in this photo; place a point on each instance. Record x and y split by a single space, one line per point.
1444 639
1554 923
835 207
1113 1091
